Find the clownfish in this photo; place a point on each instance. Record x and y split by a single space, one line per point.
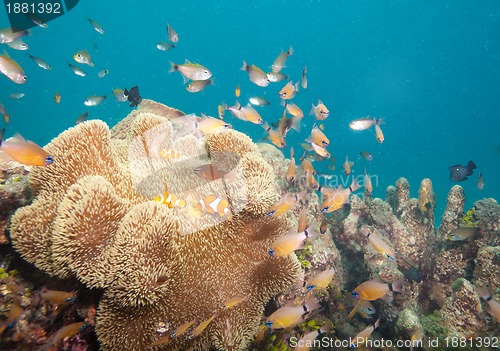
214 205
171 200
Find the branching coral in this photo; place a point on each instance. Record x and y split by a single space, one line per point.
94 218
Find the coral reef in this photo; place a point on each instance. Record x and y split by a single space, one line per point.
94 218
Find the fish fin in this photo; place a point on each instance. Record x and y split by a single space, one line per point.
283 103
188 62
232 175
245 66
397 285
296 124
470 166
266 127
185 80
237 105
173 67
224 106
312 110
19 138
354 185
292 154
296 87
354 310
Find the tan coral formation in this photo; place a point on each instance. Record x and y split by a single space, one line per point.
93 217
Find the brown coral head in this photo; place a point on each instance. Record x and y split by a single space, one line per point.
172 163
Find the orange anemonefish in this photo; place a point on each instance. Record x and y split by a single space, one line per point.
214 205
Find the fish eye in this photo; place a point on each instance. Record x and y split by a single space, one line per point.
269 324
205 71
270 252
370 309
79 55
25 78
49 159
310 287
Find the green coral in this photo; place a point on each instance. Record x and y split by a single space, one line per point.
469 218
457 284
433 325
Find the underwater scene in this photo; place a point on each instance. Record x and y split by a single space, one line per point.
261 175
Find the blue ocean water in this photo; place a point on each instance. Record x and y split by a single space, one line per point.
431 70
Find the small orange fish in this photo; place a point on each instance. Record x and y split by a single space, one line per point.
288 243
318 137
15 311
235 301
347 166
57 97
182 329
24 151
245 113
320 280
379 244
361 338
169 154
237 91
210 125
320 150
276 138
257 76
378 133
279 63
324 225
220 111
302 220
307 166
171 200
290 315
336 198
68 330
290 172
212 204
320 111
307 341
375 289
311 181
201 327
58 297
494 306
289 91
286 202
368 183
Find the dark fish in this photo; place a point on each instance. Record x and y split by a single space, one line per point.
459 173
367 155
82 118
133 96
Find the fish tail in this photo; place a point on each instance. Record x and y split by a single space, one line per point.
397 285
173 67
237 105
312 110
354 185
296 124
266 127
245 66
470 166
483 292
376 324
312 304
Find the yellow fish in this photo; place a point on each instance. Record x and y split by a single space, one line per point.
288 243
57 97
290 172
191 71
362 336
245 113
68 330
24 151
289 91
302 225
210 125
379 244
494 306
347 165
235 301
320 111
320 280
378 133
320 150
198 85
368 183
11 69
290 315
307 341
286 202
279 63
318 137
257 76
276 138
83 56
336 198
237 91
462 233
375 289
201 327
